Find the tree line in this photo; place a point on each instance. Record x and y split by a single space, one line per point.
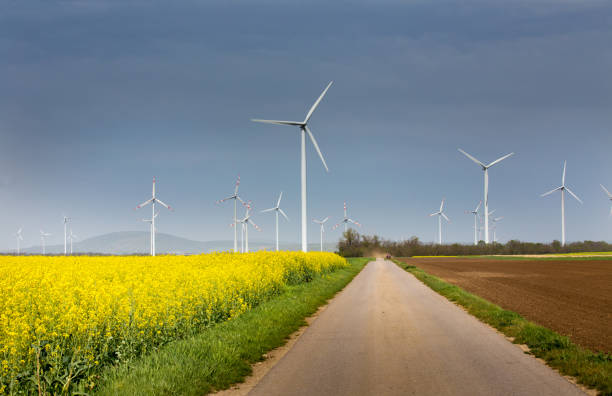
353 244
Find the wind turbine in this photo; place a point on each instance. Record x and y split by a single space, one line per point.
440 214
277 210
475 213
345 221
303 125
71 236
66 220
609 196
151 230
495 221
563 188
485 168
43 235
19 239
245 228
322 224
236 198
153 200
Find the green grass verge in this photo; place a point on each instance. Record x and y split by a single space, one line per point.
589 368
222 355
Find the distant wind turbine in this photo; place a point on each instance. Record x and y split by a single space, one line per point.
609 196
322 224
440 214
563 188
303 125
66 220
277 210
153 200
495 221
236 198
345 221
19 239
485 168
476 216
151 230
245 227
43 235
72 237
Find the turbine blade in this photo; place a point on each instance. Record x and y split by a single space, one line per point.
354 222
224 199
472 158
324 220
551 191
605 190
314 142
336 226
237 184
433 214
267 210
314 106
254 225
478 207
563 177
164 205
497 161
442 204
573 195
145 203
443 215
279 199
277 122
283 213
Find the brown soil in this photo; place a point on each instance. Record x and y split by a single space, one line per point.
572 297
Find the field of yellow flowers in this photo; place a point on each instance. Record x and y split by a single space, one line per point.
62 318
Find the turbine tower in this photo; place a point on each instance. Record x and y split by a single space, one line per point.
43 235
609 196
563 188
236 198
303 125
19 239
476 216
485 168
66 220
277 210
322 224
72 237
345 221
440 214
153 200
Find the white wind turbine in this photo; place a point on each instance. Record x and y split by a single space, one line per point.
277 210
345 221
485 168
236 198
322 224
440 214
66 220
476 216
72 237
609 196
563 188
152 230
153 200
303 125
43 235
495 221
19 239
245 228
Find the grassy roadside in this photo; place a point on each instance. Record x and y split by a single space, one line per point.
223 354
589 368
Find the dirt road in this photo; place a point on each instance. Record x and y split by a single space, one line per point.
388 334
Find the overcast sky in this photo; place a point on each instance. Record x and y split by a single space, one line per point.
97 97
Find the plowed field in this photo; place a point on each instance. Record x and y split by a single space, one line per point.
572 297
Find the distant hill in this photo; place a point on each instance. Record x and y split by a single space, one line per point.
137 242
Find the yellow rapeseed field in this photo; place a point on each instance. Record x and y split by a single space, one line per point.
61 318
